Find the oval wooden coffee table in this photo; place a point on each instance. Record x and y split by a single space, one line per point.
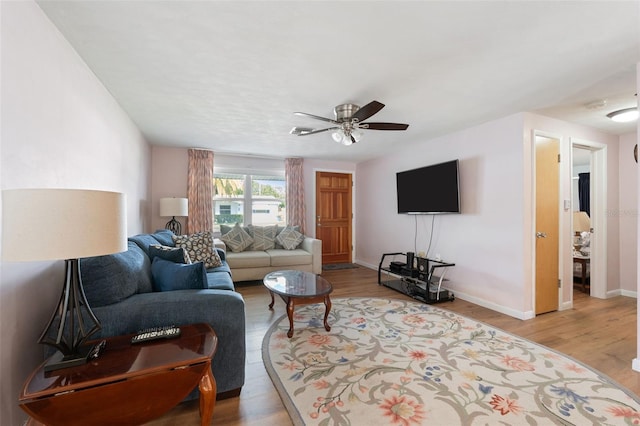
299 288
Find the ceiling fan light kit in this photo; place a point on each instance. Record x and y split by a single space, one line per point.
348 123
624 115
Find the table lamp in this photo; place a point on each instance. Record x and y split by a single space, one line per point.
172 207
64 224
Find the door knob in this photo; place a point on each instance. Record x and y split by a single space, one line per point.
541 235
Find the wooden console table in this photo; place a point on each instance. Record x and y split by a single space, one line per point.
128 383
584 262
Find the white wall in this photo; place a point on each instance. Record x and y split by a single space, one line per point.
567 133
60 128
491 241
485 241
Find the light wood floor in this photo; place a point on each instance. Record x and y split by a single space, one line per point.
599 333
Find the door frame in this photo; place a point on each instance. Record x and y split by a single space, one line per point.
353 204
598 261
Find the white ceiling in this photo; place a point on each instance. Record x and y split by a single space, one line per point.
227 75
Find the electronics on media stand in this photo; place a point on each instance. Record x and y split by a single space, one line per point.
422 282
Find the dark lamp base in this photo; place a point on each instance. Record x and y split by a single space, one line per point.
174 226
59 361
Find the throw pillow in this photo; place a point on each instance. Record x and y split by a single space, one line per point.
200 248
168 276
172 254
264 237
224 229
237 239
289 238
280 228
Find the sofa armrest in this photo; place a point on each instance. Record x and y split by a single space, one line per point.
314 246
219 244
224 310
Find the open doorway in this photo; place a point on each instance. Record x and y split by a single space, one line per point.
581 218
588 205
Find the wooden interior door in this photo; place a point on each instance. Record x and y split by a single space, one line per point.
334 216
547 224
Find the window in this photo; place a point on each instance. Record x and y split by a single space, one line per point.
249 199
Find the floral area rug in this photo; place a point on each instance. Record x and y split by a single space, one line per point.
405 363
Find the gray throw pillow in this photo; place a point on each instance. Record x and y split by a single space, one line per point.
290 239
264 237
237 239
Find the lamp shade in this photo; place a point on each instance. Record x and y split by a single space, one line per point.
174 207
581 222
56 224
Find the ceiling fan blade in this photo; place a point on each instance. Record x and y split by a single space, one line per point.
297 131
368 110
300 130
384 126
317 117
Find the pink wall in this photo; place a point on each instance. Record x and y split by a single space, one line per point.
628 214
60 128
312 166
169 168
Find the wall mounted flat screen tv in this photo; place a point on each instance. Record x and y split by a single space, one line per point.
429 190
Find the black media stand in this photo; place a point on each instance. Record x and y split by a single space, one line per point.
421 283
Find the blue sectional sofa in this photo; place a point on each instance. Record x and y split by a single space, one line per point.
120 290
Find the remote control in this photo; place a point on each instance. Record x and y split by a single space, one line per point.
156 333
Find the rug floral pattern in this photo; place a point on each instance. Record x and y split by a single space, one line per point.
405 363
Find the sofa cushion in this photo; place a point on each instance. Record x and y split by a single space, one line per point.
144 241
220 281
248 259
165 237
131 270
289 238
237 239
172 254
264 237
168 276
200 248
283 257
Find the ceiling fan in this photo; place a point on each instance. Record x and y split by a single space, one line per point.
349 122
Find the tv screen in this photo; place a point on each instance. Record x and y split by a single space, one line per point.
429 190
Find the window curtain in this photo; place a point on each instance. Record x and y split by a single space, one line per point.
584 192
200 191
295 192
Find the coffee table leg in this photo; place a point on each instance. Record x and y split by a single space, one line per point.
290 315
272 301
327 304
207 397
